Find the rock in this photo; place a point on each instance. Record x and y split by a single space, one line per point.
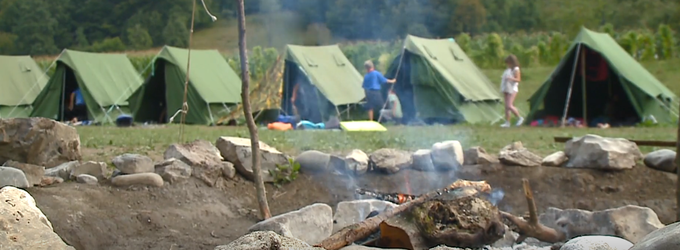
204 159
390 160
360 247
87 179
350 212
594 151
297 224
237 150
357 162
447 155
23 224
265 240
34 173
97 169
115 173
142 179
38 141
228 170
422 160
62 171
555 160
133 163
173 170
663 160
478 156
49 180
597 242
508 239
313 161
666 238
629 222
516 154
14 177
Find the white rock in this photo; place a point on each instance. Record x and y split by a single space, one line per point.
173 170
314 161
447 155
478 156
204 159
515 154
666 238
350 212
357 162
10 176
390 160
422 160
597 242
311 224
93 168
133 163
555 159
142 179
62 171
87 179
34 173
663 160
237 150
594 151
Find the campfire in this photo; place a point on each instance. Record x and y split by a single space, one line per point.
459 215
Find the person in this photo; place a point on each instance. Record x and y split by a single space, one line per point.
373 81
293 98
510 86
394 112
77 105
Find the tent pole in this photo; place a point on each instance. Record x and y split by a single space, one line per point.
571 85
63 95
583 87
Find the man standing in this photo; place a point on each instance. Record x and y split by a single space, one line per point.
373 81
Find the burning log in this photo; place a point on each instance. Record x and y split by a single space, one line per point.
367 227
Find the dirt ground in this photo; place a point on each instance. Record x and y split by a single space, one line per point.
192 215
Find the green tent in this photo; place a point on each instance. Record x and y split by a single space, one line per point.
21 80
609 72
438 82
213 87
105 81
327 77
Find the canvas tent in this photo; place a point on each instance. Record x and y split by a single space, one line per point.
105 81
609 72
21 80
213 87
437 81
327 78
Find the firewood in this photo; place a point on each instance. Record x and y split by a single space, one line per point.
533 228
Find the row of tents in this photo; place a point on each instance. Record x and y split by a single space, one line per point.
435 80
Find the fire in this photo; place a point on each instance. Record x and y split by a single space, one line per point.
482 186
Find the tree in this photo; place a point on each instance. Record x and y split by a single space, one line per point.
269 8
470 14
245 98
176 32
138 37
81 39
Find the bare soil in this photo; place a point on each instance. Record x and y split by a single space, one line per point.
192 215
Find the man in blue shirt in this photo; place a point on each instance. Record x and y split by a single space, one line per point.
77 106
373 81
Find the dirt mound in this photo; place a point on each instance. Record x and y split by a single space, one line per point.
192 215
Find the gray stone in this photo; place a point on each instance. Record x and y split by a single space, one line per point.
10 176
666 238
23 222
228 170
97 169
447 155
87 179
555 160
265 240
203 157
38 141
313 161
237 150
49 180
663 160
390 160
133 163
516 154
597 242
357 162
422 160
173 170
34 173
311 224
478 156
62 171
141 179
350 212
596 152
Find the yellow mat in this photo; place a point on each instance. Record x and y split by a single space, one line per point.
362 126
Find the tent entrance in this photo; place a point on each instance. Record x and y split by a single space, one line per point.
153 106
70 84
309 103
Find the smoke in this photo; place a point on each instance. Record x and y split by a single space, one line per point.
496 196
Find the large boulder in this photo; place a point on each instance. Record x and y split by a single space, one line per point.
265 240
447 155
350 212
666 238
594 151
516 154
597 242
23 225
10 176
311 224
38 141
34 173
390 160
238 151
478 156
203 157
662 160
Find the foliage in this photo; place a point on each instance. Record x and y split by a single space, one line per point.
138 37
285 173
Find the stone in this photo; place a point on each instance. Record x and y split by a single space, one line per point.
62 171
597 242
629 222
203 157
49 180
516 154
555 159
390 160
357 162
38 141
34 173
662 160
265 240
422 160
23 225
10 176
478 156
173 170
596 152
360 247
313 161
228 170
87 179
99 170
665 238
350 212
141 179
237 150
311 224
133 163
447 155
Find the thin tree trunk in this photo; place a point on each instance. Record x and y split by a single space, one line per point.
245 99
